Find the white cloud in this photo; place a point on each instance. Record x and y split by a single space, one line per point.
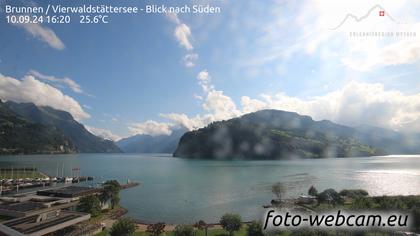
60 81
204 80
189 123
220 105
251 105
150 127
30 89
173 17
310 33
103 133
309 30
369 56
217 105
190 59
183 34
215 102
360 53
44 34
354 104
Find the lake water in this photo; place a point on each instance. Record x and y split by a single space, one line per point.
177 190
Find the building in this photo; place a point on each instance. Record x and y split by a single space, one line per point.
44 223
44 212
70 192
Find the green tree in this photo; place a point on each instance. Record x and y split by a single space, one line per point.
184 230
354 193
123 227
329 196
362 203
202 225
111 192
115 200
278 189
90 204
156 229
231 223
415 224
255 229
312 191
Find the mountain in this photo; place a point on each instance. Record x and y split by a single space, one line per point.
274 134
19 136
151 144
82 139
390 141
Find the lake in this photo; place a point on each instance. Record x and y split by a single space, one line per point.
177 190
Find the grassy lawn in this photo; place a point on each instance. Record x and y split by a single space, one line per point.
105 214
211 232
242 232
20 174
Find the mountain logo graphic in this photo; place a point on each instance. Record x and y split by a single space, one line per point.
382 12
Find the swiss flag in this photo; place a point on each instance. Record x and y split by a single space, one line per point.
381 13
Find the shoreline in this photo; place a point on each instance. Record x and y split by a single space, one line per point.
142 224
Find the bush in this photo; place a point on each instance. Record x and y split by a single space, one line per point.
362 203
354 193
254 229
202 225
110 192
184 230
156 229
278 189
231 223
312 191
415 224
90 204
330 196
123 227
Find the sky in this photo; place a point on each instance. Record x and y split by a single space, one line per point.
152 73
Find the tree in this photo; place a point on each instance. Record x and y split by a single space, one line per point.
415 224
329 196
353 193
156 229
115 200
362 203
111 192
184 230
312 191
231 223
202 225
255 229
90 204
123 227
278 189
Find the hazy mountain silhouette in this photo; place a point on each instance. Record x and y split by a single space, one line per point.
274 134
151 144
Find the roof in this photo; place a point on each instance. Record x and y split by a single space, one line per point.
70 191
47 223
23 206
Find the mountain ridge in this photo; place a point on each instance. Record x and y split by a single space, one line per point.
19 136
142 143
81 138
275 134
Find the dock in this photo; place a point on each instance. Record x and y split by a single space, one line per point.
129 185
